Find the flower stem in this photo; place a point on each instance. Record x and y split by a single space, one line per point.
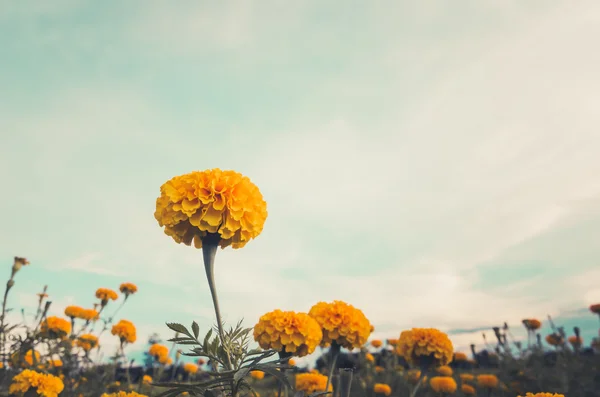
334 351
414 392
210 244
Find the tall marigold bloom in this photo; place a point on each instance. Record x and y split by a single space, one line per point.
159 352
443 384
310 383
55 327
376 343
226 203
554 339
425 347
576 341
87 342
125 330
289 332
382 388
532 324
458 356
128 289
190 368
468 390
89 315
444 370
487 380
258 375
341 323
46 385
73 311
106 294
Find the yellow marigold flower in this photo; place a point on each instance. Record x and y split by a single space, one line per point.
413 375
46 385
159 352
190 368
468 390
25 360
73 311
425 347
123 394
443 384
487 380
125 330
89 314
56 363
458 356
575 341
87 342
258 375
543 395
104 294
595 308
55 327
467 377
554 339
392 341
382 388
219 202
290 332
369 357
532 324
379 369
444 370
310 383
146 379
128 288
341 323
376 343
292 362
314 371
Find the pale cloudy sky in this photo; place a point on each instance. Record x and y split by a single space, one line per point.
433 163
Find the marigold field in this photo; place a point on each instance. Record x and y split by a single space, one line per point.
51 356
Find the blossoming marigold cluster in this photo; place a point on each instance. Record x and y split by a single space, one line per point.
444 370
159 352
467 389
219 202
341 323
46 385
290 332
55 327
87 342
122 393
425 347
104 294
190 368
125 330
543 395
310 383
128 288
382 388
81 313
487 380
532 324
376 343
258 375
443 384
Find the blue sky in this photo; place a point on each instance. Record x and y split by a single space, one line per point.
433 164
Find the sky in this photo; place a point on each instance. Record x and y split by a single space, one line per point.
432 163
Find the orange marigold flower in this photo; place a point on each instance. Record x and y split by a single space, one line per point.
382 388
444 370
341 323
159 352
369 357
376 343
73 311
289 332
258 375
392 341
543 395
87 342
458 356
554 339
467 389
379 369
532 324
46 385
487 380
89 314
146 379
425 347
413 375
291 361
104 294
595 308
122 393
25 360
576 341
219 202
128 288
310 383
55 327
190 368
443 384
467 377
125 330
56 363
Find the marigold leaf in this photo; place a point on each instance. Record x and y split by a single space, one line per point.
195 329
179 328
206 339
177 340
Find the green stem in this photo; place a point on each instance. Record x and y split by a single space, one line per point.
334 351
414 392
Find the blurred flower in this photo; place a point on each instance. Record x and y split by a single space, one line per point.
341 323
376 343
425 347
87 342
595 308
392 342
554 339
467 377
575 341
125 330
487 380
73 311
292 362
26 360
190 368
290 332
88 314
444 370
382 388
543 395
193 205
159 352
413 375
310 383
55 327
458 356
46 385
532 324
443 384
122 393
369 357
468 390
147 379
128 289
258 375
104 294
379 369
